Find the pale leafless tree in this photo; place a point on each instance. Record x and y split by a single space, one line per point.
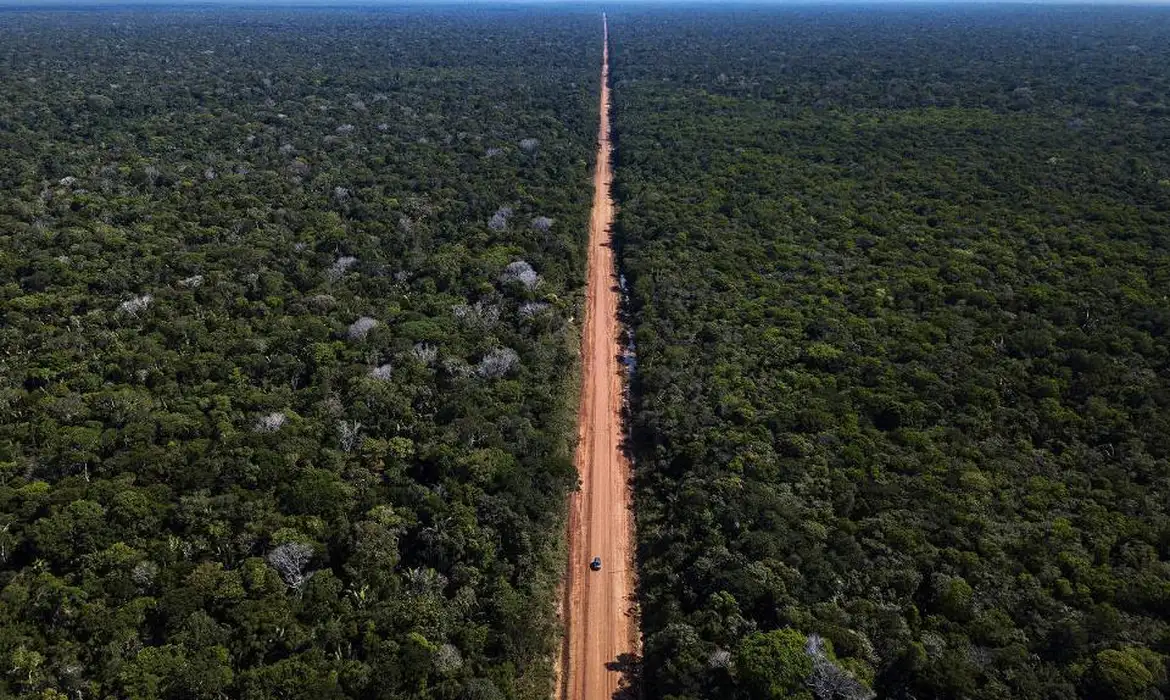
498 363
477 315
349 431
425 353
136 304
360 328
271 422
340 266
829 681
499 220
520 271
290 561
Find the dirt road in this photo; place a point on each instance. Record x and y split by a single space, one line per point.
601 626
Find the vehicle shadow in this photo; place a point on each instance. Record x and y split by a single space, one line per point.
630 685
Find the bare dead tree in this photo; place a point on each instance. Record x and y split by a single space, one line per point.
425 353
520 271
349 432
290 561
271 422
828 681
498 363
499 220
360 328
136 304
340 266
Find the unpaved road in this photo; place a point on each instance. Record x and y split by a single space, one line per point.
601 626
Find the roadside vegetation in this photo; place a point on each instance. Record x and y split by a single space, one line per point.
285 330
898 280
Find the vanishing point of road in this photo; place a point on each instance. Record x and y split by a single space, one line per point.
601 631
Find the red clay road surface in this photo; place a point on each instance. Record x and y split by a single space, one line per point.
601 623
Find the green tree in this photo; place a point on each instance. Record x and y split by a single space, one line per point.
774 665
1123 674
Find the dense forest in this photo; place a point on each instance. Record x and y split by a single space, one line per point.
287 306
898 280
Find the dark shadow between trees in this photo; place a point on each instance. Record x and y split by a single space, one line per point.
630 686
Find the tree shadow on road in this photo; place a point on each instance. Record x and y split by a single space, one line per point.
630 685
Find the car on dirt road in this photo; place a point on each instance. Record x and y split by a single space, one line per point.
595 564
